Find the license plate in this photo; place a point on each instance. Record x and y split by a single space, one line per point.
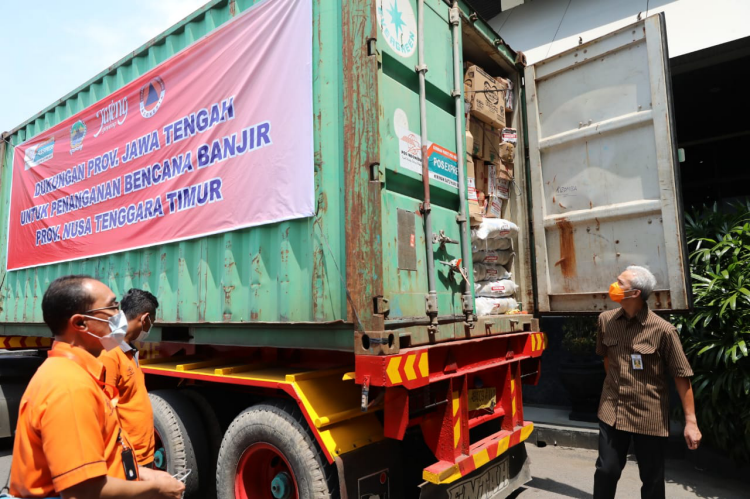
482 398
485 486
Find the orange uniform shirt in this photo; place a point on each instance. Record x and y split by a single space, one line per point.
67 429
134 406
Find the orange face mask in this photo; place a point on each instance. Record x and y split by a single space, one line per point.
616 293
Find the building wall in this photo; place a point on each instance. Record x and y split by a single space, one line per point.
691 24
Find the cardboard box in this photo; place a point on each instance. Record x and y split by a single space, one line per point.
475 220
504 171
471 178
477 209
492 185
510 135
507 152
507 87
502 188
477 201
480 169
476 128
494 208
486 96
491 145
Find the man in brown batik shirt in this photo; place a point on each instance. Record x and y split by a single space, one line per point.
641 352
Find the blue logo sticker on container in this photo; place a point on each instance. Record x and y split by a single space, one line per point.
398 25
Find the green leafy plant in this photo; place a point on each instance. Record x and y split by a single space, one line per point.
579 335
716 336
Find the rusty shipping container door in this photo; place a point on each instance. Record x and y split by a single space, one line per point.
603 171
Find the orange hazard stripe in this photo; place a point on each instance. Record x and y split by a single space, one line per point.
403 369
538 343
21 342
481 453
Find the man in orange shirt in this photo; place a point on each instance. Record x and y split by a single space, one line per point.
68 440
124 372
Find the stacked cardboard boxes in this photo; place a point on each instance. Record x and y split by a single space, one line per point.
489 158
490 147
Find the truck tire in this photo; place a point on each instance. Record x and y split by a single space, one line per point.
213 433
179 428
269 451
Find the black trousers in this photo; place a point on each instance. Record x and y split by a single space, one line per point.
613 451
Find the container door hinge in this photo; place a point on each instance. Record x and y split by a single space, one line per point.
376 173
372 49
381 305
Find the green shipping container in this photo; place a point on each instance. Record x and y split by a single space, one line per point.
360 264
286 284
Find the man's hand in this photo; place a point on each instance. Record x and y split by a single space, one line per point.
146 474
167 487
692 435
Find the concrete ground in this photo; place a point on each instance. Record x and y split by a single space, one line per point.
566 472
6 451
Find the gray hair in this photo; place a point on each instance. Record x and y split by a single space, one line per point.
642 280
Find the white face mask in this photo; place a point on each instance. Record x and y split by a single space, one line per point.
118 326
144 332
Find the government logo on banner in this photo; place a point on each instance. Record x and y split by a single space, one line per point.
152 95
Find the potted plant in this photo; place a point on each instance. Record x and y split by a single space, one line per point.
582 373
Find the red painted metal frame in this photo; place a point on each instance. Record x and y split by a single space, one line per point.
499 361
502 362
452 359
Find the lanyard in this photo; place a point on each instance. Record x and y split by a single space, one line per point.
115 392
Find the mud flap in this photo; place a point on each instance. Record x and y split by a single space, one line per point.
495 480
372 472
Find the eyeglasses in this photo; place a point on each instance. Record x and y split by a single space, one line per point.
116 306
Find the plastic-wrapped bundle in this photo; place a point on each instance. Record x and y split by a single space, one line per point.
494 228
495 306
486 272
490 244
495 289
501 257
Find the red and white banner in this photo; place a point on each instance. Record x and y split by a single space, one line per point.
218 137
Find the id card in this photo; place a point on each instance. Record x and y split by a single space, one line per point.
637 361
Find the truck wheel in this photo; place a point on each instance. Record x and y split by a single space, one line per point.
268 452
180 440
210 420
213 434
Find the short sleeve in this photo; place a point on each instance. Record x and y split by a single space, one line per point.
600 348
111 366
673 355
71 434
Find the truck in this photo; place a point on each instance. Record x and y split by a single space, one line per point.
299 204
